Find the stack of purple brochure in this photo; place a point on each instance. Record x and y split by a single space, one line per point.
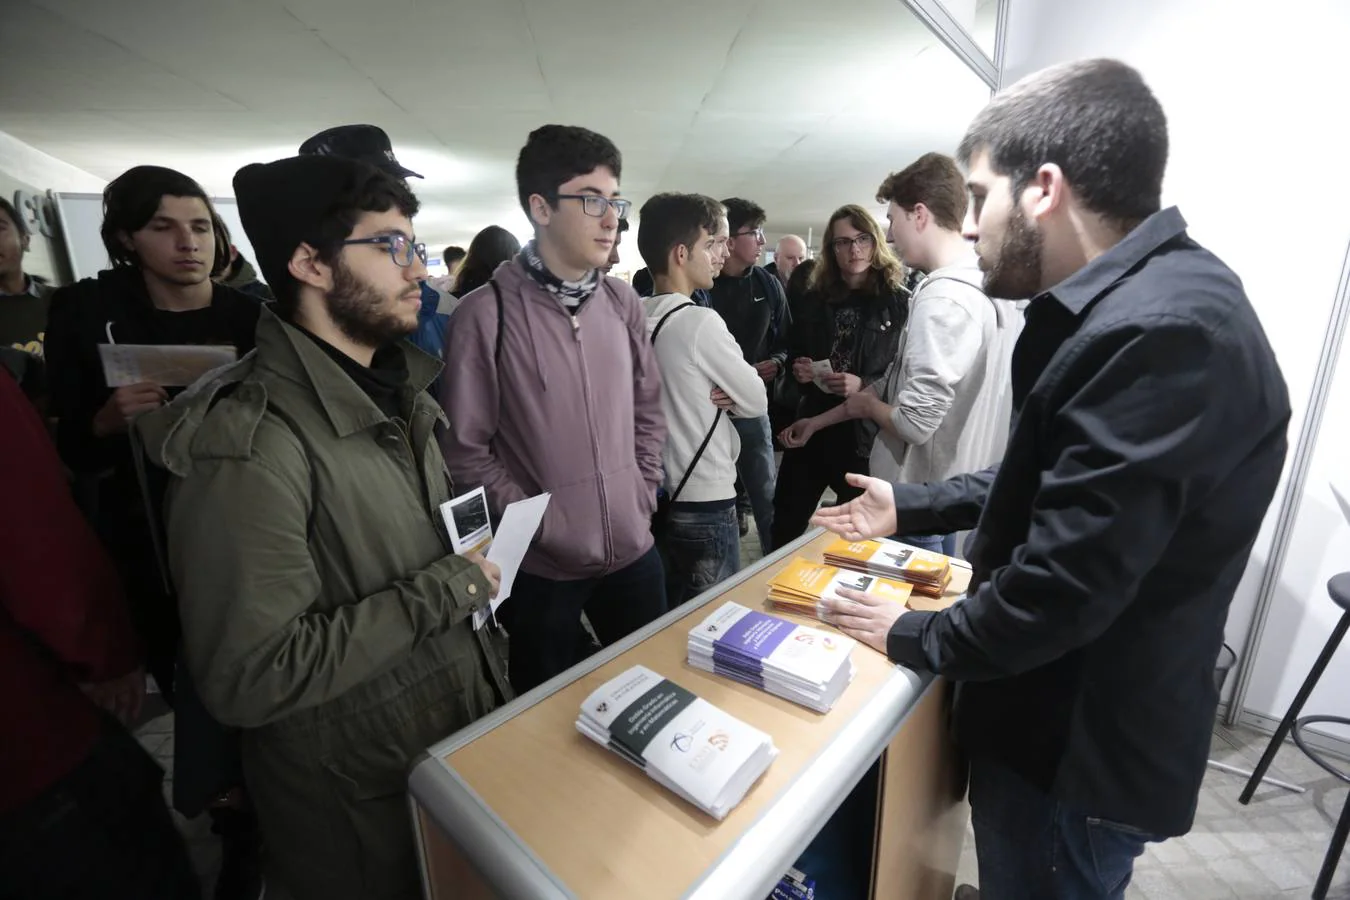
796 662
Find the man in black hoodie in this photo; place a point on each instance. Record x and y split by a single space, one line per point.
160 233
158 230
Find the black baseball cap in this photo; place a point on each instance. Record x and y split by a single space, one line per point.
366 143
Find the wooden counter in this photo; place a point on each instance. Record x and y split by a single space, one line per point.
521 805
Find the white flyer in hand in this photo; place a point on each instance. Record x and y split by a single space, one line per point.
515 533
467 520
819 369
167 365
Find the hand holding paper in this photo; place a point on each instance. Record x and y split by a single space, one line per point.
819 369
515 533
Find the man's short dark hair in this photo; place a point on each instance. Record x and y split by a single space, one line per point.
555 154
742 214
453 255
668 221
373 190
1096 120
8 209
933 180
131 200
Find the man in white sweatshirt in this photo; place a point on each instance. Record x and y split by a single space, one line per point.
945 405
706 381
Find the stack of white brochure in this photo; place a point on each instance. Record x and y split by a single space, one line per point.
805 665
685 744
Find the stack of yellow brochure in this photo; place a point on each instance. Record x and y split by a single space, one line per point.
929 572
799 586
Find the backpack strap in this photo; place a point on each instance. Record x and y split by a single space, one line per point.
497 353
309 464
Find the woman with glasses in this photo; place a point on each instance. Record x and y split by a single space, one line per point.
850 317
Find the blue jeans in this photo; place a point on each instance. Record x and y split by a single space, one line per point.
1032 847
758 474
938 543
700 548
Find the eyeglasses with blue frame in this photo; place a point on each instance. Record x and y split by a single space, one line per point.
401 249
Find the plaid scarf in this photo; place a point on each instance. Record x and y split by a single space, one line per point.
571 293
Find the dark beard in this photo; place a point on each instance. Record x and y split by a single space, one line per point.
356 309
1017 273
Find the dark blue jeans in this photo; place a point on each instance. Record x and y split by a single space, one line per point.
543 616
1032 847
758 473
700 548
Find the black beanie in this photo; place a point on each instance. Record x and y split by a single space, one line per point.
282 205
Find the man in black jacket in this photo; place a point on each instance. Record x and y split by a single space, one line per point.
755 309
159 230
1148 439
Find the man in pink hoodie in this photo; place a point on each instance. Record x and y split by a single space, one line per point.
551 385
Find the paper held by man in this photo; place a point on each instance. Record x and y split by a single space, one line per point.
470 528
167 365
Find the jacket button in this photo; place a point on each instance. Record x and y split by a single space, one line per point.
473 589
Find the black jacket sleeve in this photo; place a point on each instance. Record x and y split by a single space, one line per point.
78 390
943 507
1121 449
780 325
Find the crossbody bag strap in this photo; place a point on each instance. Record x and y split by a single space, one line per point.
662 323
707 439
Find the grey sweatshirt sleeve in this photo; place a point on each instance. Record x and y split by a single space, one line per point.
943 343
718 356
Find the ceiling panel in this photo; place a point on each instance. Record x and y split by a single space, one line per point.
799 105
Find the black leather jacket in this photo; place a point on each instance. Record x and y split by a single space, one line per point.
874 347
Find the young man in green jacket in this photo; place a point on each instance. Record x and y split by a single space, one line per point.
323 611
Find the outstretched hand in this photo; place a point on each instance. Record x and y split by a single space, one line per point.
869 516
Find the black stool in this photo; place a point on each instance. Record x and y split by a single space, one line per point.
1339 589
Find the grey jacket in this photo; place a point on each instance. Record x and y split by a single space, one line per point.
949 387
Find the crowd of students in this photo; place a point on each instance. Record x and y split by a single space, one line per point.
268 543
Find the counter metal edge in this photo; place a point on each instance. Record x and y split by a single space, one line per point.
510 710
495 852
757 860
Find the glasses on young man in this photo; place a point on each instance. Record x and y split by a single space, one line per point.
596 206
862 241
401 250
758 234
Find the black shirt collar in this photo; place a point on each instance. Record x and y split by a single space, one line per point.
382 381
1077 291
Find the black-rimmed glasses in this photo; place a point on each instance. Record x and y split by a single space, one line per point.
757 232
401 250
862 241
596 206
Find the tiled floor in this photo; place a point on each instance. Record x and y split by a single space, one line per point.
1272 848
